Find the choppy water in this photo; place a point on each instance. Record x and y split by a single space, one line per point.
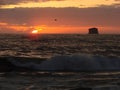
48 46
57 80
59 44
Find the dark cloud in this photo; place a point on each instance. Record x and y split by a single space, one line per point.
117 0
109 6
6 2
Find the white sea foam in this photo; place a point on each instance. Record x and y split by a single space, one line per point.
74 63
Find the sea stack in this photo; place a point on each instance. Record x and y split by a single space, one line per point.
93 31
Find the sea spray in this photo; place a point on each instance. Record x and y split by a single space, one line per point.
81 62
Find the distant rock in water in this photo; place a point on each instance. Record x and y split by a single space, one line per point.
93 31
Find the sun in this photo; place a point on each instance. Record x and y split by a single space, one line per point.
35 32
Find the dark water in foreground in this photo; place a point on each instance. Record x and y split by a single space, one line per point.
48 46
57 80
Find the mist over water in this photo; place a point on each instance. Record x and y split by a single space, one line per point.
74 63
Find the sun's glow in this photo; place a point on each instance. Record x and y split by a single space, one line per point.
34 31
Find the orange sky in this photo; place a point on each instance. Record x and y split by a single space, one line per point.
59 16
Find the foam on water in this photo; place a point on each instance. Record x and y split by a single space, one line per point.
74 63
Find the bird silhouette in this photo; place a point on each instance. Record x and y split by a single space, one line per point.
55 19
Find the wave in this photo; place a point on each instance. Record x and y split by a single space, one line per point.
72 63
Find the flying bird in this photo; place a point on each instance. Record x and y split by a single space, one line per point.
55 19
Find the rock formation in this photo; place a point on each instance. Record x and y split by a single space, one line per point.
93 31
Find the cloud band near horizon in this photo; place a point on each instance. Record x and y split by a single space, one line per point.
57 3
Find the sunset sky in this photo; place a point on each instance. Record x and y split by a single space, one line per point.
59 16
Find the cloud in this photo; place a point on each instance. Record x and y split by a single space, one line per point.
5 27
56 3
7 2
3 24
109 6
117 0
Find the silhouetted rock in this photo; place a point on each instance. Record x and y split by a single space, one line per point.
93 31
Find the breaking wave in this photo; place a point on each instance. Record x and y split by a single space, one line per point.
73 63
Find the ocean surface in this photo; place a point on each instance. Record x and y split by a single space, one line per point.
59 44
60 56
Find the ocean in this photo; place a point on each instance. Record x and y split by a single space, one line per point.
59 62
59 44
